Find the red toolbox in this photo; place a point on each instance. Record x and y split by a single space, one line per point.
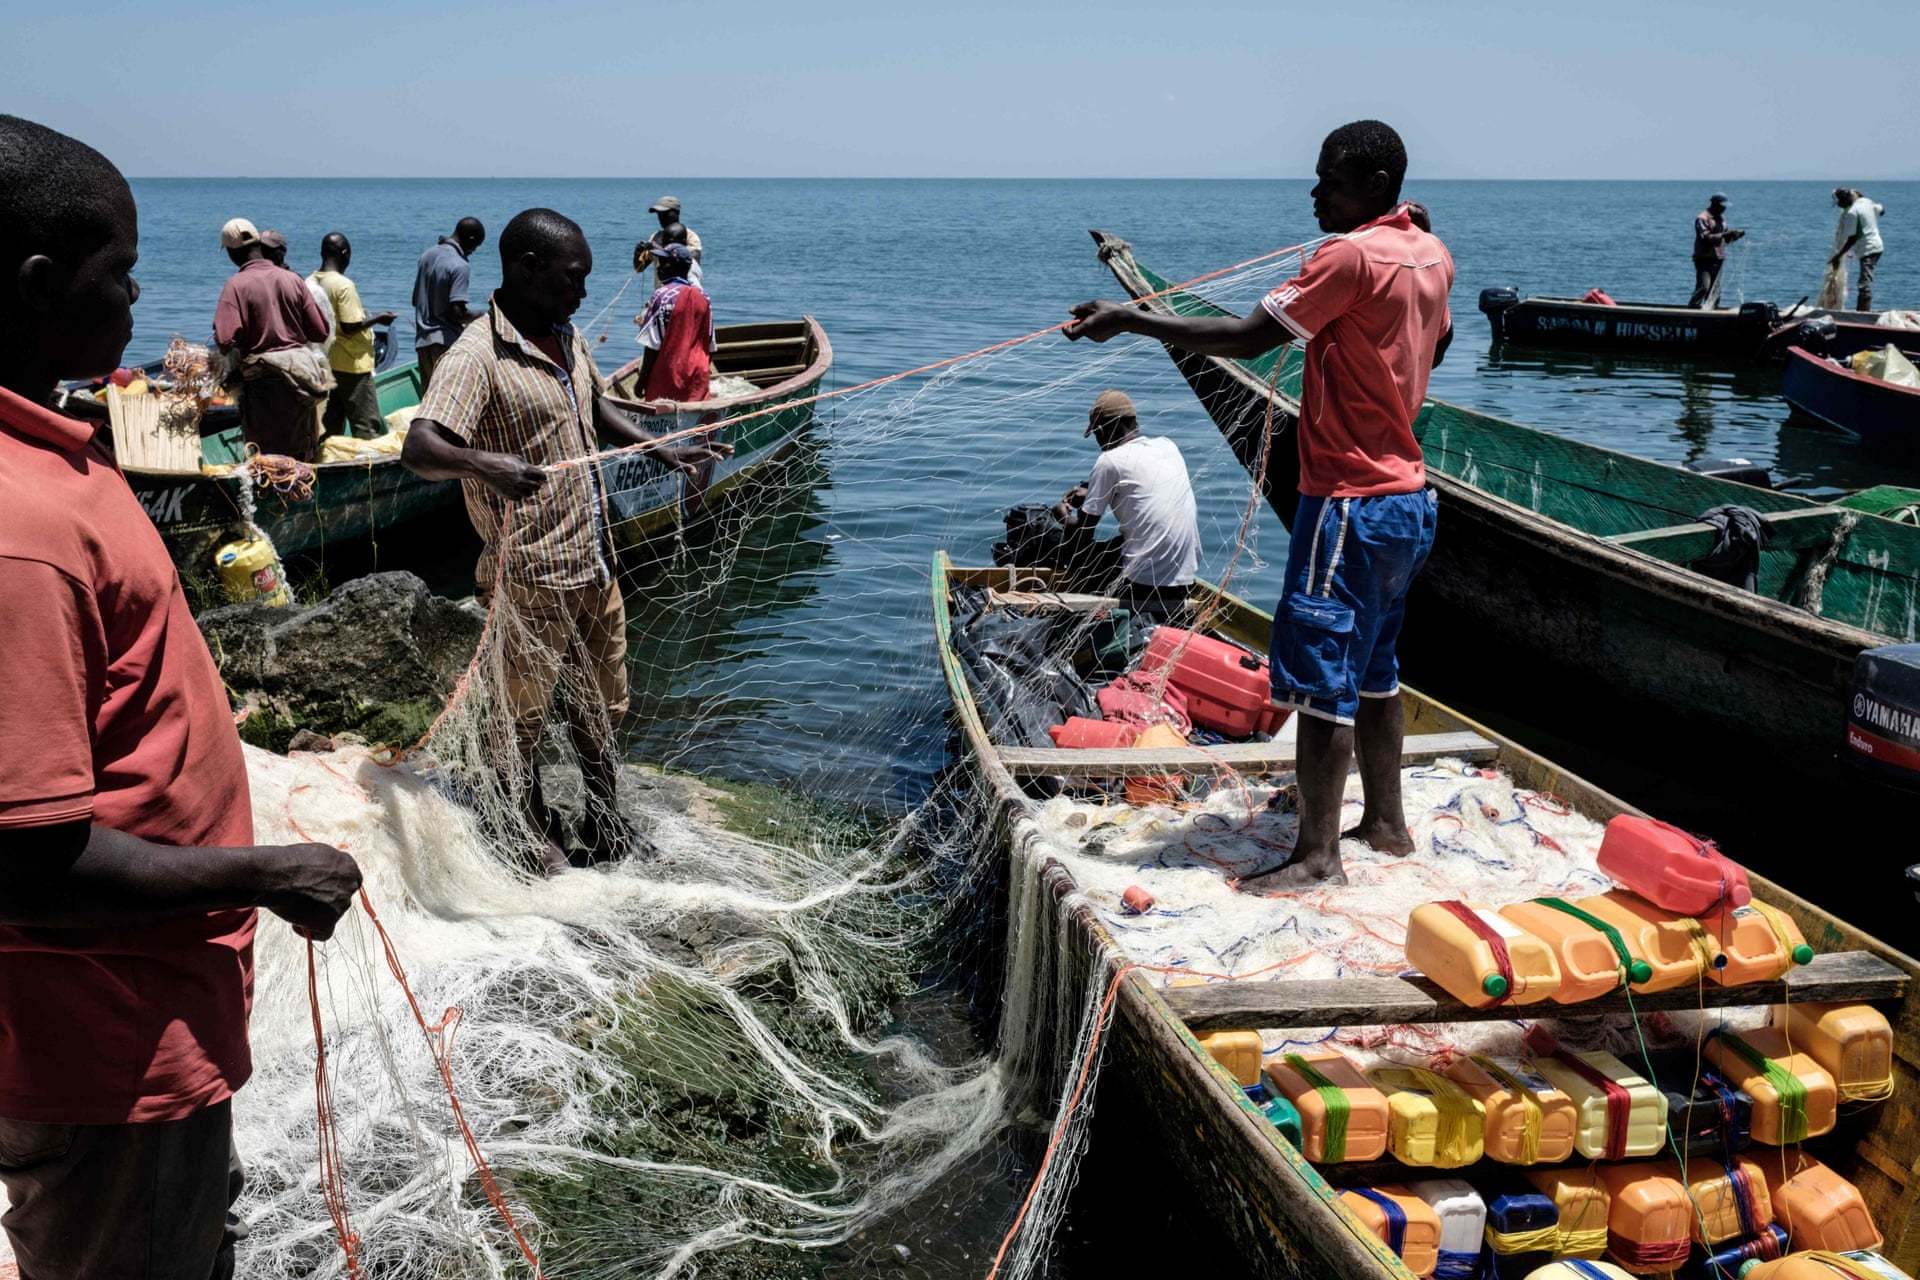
1228 689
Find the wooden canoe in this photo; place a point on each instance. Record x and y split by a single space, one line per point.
1737 333
785 360
1282 1215
1873 411
1562 566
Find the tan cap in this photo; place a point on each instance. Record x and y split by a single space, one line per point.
272 239
238 234
1109 406
665 204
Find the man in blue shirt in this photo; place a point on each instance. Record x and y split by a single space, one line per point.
440 309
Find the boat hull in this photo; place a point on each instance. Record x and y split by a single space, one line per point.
1871 410
1644 327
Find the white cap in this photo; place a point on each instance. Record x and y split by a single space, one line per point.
238 234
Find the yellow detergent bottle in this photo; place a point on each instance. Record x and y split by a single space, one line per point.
1581 1198
1793 1096
1342 1117
250 572
1478 956
1852 1042
1620 1113
1675 948
1529 1120
1819 1208
1593 956
1432 1122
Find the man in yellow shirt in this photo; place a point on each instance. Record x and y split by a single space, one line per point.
353 403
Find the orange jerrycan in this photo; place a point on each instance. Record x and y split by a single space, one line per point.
1342 1117
1676 948
1852 1042
1579 1269
1529 1120
1731 1200
1670 867
1620 1113
1407 1223
1756 942
1479 956
1155 788
1793 1096
1649 1222
1593 955
1581 1198
1431 1121
1237 1051
1823 1264
1819 1208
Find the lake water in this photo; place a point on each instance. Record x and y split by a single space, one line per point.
809 660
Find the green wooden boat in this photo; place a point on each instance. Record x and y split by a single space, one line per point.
1559 577
785 361
343 502
1184 1115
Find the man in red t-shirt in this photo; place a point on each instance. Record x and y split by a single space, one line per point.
128 872
677 331
1371 305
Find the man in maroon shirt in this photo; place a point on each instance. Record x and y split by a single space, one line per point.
267 321
128 872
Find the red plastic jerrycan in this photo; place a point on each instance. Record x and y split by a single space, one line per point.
1228 689
1670 868
1079 733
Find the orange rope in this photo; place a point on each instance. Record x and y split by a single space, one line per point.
333 1183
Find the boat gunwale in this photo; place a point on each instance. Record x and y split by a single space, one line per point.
1820 364
816 369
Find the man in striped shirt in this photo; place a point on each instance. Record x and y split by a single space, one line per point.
516 412
1371 306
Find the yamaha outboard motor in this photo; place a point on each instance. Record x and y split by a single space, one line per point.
1883 715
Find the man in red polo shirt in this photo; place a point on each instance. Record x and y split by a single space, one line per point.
677 331
1371 305
128 873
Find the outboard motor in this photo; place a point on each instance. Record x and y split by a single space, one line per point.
1035 540
1494 301
1883 715
1763 316
1738 470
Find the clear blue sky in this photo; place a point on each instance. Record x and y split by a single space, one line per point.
585 88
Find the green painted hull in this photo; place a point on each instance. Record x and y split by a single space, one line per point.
348 502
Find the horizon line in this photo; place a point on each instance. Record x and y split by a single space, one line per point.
553 177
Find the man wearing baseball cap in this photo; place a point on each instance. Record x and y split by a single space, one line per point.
676 330
1711 236
1143 480
267 322
667 209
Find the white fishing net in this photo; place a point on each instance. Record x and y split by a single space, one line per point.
689 1063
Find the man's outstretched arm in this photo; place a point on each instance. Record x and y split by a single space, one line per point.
1239 337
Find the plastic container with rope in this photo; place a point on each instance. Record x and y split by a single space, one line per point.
1676 949
1463 1221
1669 867
1478 956
1582 1202
1757 942
1432 1122
1819 1208
1594 957
1852 1042
1237 1051
1649 1221
1731 1258
1523 1232
1822 1264
1793 1096
1620 1114
1406 1223
1529 1120
1342 1117
1714 1118
1579 1269
1729 1198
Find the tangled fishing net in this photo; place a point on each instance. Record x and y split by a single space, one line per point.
688 1064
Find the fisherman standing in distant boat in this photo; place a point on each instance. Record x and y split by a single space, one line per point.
129 876
667 209
1858 234
676 330
269 326
354 404
516 409
1371 306
440 282
1143 481
1711 236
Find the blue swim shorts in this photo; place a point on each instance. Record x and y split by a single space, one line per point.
1348 570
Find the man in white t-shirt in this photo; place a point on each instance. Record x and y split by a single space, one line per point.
1143 481
1859 231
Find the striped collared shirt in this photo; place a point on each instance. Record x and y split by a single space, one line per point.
496 391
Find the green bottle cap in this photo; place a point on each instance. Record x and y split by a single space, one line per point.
1803 954
1494 985
1639 971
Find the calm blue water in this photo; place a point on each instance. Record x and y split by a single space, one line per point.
817 664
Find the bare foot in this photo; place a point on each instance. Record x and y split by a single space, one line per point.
613 838
1381 837
552 859
1302 873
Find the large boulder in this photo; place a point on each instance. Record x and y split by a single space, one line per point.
376 659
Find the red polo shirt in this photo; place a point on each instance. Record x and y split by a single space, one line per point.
111 711
1370 306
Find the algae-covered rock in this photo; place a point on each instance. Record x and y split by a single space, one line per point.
377 658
